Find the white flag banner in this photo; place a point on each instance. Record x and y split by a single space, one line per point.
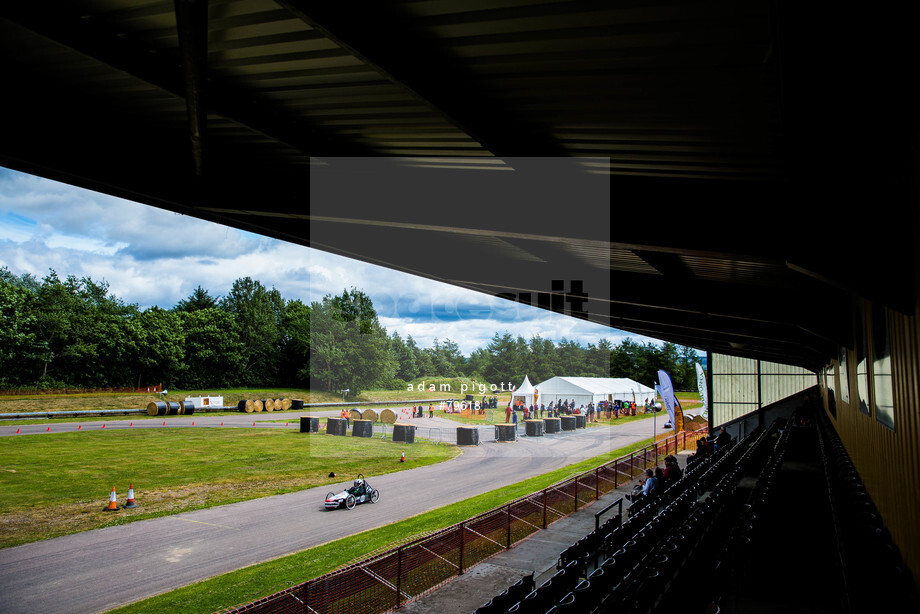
667 394
704 391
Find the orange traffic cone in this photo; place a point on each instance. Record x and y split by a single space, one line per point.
402 458
112 506
130 502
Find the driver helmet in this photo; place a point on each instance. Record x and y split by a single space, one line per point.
359 482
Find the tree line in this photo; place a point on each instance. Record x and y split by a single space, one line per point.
73 332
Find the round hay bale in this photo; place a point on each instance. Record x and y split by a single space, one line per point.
369 414
354 414
286 404
278 404
336 426
505 432
257 405
309 424
268 404
241 406
533 428
362 428
156 408
186 408
250 406
404 432
388 416
467 436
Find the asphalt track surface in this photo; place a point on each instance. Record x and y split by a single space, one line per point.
98 570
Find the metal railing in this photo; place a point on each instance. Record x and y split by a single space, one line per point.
390 579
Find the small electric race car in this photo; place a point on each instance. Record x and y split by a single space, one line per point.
360 492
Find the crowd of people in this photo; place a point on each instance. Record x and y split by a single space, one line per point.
567 407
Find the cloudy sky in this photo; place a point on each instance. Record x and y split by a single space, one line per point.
151 257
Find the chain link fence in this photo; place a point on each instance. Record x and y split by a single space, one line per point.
390 579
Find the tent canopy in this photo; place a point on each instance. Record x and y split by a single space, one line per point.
525 391
584 390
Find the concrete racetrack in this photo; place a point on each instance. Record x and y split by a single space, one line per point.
97 570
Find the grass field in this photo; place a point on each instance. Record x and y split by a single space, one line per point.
51 485
250 583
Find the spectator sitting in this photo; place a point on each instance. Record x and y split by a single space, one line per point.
648 487
723 439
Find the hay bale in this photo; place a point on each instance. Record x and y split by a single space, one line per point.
186 408
404 432
362 428
369 414
258 405
388 416
156 408
286 404
268 404
354 414
250 406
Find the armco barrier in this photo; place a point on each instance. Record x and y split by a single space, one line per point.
390 579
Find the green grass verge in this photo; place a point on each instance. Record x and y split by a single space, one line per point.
251 583
51 485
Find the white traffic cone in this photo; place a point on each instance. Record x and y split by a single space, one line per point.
130 502
112 506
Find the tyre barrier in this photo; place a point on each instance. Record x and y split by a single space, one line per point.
296 403
362 428
581 421
568 423
336 426
533 428
505 432
552 425
241 406
186 408
309 424
404 432
467 436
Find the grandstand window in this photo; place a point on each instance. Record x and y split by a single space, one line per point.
881 368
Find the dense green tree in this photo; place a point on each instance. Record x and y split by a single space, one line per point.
258 312
213 350
295 344
21 351
349 349
198 299
160 354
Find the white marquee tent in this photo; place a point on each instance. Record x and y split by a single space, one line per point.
525 391
584 390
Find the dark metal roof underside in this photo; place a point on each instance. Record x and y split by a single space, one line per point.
733 140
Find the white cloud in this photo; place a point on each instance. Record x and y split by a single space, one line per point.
149 256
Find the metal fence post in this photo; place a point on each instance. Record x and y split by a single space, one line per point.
462 546
508 523
576 493
597 483
544 508
399 577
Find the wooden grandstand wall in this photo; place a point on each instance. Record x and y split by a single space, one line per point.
887 459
